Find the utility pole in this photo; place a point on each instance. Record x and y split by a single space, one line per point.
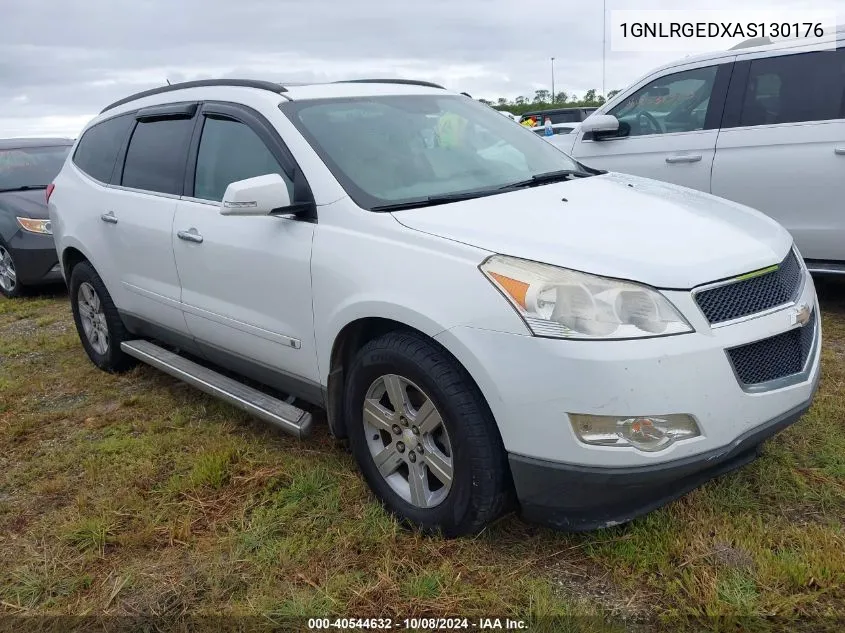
553 80
603 47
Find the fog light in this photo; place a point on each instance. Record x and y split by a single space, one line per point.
646 433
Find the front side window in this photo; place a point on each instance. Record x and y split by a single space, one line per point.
30 167
155 159
97 150
794 88
673 103
230 151
386 150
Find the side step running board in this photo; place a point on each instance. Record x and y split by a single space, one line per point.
279 413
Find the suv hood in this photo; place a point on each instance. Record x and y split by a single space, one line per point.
28 204
617 226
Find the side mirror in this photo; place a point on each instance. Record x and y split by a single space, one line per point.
261 195
600 125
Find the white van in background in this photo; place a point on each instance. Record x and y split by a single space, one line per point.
763 126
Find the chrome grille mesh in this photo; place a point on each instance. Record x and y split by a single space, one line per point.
749 296
775 357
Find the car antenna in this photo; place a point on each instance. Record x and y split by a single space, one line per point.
168 81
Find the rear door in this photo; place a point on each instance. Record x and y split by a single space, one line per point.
246 281
139 211
667 128
782 149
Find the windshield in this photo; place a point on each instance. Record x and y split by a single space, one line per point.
388 150
33 167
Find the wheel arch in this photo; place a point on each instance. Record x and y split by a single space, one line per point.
348 341
72 255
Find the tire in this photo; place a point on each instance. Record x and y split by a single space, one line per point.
9 285
103 346
466 438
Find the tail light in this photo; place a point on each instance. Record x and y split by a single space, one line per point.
50 189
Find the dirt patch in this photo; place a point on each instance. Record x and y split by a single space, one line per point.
733 557
22 327
58 402
593 585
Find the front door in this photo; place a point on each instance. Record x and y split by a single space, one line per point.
246 281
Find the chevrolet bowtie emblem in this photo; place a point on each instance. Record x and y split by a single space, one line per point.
801 315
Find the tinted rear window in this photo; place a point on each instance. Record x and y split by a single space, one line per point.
572 116
795 88
97 150
31 166
155 159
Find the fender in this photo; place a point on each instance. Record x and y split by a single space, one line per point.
357 308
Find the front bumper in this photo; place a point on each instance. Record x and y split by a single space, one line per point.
580 498
533 384
36 260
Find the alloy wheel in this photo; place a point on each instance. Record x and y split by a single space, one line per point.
93 318
8 276
408 441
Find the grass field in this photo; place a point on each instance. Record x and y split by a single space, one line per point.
137 495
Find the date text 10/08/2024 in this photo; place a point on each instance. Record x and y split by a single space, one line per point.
413 624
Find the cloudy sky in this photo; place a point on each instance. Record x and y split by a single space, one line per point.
61 61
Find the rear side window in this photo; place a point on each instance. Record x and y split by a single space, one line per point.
155 158
98 148
573 116
794 88
230 151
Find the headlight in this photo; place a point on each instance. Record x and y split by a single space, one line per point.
563 303
36 226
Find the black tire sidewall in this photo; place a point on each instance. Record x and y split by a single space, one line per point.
452 513
114 359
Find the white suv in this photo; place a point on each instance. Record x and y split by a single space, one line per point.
763 126
484 318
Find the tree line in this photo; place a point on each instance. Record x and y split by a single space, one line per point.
544 100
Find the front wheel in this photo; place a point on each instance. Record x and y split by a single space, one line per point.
424 437
97 321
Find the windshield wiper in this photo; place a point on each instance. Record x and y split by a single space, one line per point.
23 188
431 201
547 177
537 179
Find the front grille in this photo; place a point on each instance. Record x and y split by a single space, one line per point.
741 298
776 357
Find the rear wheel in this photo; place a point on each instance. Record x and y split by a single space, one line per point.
97 321
423 436
9 284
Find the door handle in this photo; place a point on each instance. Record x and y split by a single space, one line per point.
686 158
191 235
109 218
839 151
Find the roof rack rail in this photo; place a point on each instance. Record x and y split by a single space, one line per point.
201 83
754 41
406 82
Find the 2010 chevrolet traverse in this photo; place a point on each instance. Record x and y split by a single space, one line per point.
482 316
